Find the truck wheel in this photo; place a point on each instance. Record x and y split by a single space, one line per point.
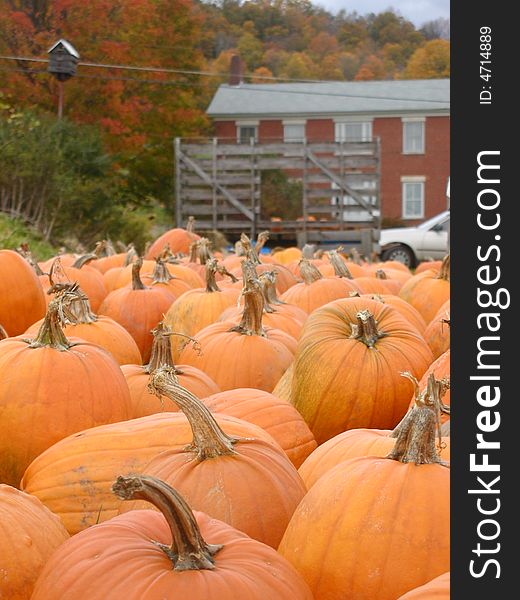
400 253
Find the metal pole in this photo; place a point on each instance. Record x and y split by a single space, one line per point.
60 99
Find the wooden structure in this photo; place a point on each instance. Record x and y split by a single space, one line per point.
219 182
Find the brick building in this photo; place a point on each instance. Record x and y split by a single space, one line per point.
410 118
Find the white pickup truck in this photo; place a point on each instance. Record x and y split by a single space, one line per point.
410 245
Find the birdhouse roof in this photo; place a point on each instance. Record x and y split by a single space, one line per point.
67 45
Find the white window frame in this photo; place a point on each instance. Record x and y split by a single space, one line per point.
414 120
340 126
252 124
299 123
407 180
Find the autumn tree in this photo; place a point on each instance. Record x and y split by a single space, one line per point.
431 61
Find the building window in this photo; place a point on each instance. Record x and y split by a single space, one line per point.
413 137
294 132
413 198
353 131
246 132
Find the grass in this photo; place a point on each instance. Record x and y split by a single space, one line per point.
14 232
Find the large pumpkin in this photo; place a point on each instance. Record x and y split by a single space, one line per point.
22 301
97 329
52 387
278 417
30 534
245 355
316 290
437 334
368 517
173 554
429 290
199 307
347 367
72 478
138 309
224 476
145 402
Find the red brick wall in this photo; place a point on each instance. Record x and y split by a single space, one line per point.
320 130
225 130
434 165
270 131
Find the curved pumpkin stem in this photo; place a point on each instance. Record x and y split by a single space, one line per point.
161 354
251 323
209 441
137 284
25 252
444 271
79 306
340 268
104 248
365 330
84 260
3 333
417 431
188 550
211 282
267 281
309 272
249 251
261 241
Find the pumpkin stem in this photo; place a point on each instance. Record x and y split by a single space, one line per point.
356 257
308 251
137 284
211 282
444 271
340 268
267 280
161 354
204 252
309 272
160 273
79 307
239 249
209 441
24 251
251 323
261 240
84 260
59 312
417 431
250 252
190 225
104 248
223 271
131 255
365 330
3 333
188 550
380 274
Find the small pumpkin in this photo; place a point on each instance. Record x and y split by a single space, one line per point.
30 534
137 377
177 240
170 553
437 333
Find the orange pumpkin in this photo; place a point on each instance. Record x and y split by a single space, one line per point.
107 258
72 477
436 589
437 334
138 309
440 368
177 240
137 376
428 265
347 365
238 465
428 291
278 417
97 329
366 442
162 278
172 554
22 301
411 314
52 387
199 307
245 355
30 534
316 290
363 520
267 280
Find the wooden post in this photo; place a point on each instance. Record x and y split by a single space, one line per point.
214 187
60 99
178 202
253 200
305 185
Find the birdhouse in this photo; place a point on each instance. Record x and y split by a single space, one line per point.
63 58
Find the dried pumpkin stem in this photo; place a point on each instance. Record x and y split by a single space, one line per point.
223 271
204 252
251 323
380 274
261 241
190 226
444 271
104 248
267 280
137 284
188 550
84 260
308 251
209 441
309 272
160 273
24 251
80 308
3 333
131 255
340 268
211 282
416 433
50 333
365 330
250 252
